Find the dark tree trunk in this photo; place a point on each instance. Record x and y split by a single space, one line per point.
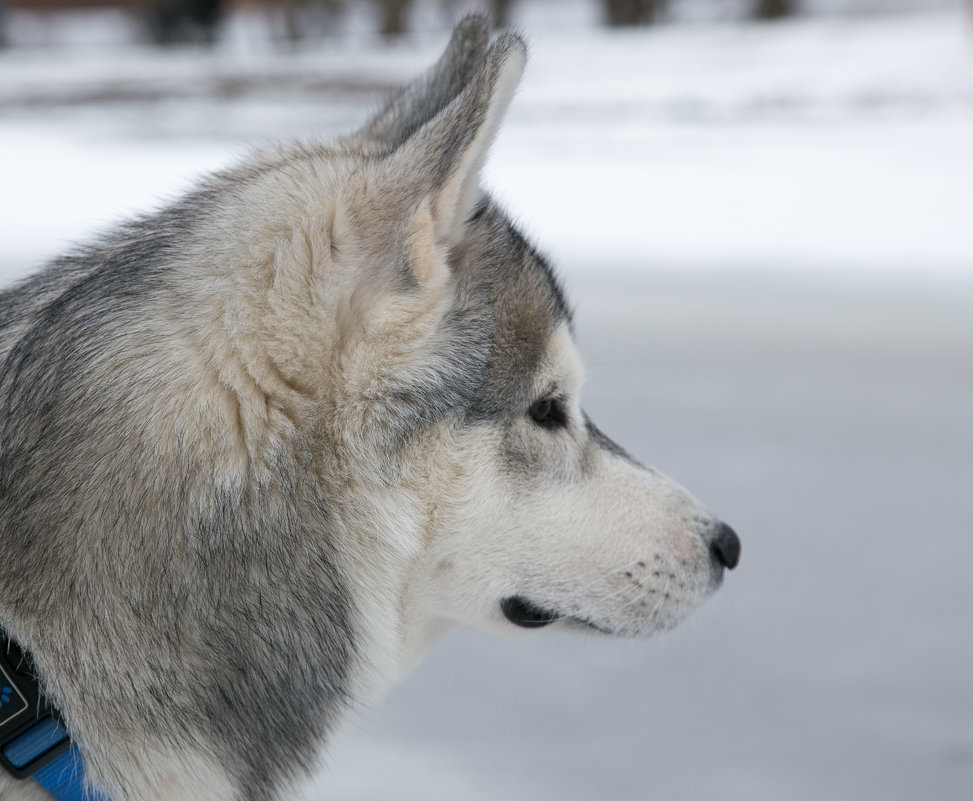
773 9
394 13
184 21
501 12
619 13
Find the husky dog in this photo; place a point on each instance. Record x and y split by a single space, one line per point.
260 449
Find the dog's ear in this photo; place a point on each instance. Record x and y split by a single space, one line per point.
441 161
425 97
420 193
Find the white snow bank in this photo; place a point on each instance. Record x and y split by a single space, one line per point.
839 145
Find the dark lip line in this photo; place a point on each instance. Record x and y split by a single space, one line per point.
557 617
523 612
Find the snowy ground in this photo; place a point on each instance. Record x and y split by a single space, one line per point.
768 233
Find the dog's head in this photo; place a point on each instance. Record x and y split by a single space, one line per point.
448 385
294 425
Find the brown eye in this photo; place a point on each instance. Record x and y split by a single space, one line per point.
549 413
541 411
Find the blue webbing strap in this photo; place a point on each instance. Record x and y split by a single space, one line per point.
63 777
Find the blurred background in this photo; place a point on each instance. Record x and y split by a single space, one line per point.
763 211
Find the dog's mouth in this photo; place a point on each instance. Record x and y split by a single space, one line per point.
521 612
528 615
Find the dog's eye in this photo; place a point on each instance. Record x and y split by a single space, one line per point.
549 413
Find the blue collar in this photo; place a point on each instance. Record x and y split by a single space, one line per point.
33 742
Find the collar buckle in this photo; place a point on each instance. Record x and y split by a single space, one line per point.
23 709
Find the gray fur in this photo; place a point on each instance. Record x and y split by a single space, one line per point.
166 607
526 300
602 441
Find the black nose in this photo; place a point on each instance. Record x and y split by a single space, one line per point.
725 546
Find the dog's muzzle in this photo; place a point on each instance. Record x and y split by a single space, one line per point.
724 551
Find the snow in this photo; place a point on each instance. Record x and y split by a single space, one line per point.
825 145
834 145
768 233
